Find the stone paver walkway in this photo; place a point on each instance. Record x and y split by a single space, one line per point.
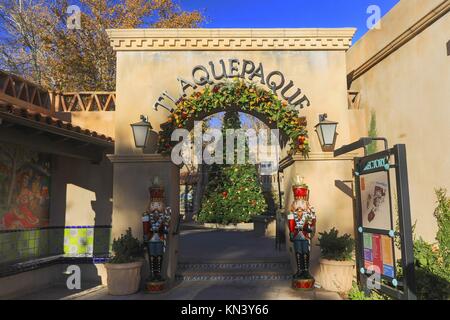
206 245
197 290
232 245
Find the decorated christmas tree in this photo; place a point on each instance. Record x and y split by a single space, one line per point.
234 192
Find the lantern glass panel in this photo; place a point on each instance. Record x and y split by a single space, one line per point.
328 132
320 134
140 133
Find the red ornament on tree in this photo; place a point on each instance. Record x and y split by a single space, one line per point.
225 194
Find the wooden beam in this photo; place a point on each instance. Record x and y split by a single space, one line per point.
285 163
341 185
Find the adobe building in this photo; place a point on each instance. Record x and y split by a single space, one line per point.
98 179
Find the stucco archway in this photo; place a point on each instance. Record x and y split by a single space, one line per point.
154 64
240 96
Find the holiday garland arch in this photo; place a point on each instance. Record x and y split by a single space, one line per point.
241 96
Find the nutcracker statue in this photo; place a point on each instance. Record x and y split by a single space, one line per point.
302 225
156 226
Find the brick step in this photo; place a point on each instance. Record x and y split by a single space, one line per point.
233 277
224 271
239 266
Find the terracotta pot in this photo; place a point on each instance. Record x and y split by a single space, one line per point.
123 278
335 275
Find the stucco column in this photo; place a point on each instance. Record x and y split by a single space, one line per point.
132 177
333 208
153 65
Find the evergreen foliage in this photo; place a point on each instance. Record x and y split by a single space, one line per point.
248 97
126 248
234 192
372 147
335 247
432 260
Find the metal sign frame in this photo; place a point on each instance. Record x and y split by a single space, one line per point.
406 288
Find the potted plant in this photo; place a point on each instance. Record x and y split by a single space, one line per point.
124 268
336 263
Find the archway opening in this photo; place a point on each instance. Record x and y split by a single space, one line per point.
253 168
219 243
211 239
239 96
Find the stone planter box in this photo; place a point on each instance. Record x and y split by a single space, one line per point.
123 278
336 276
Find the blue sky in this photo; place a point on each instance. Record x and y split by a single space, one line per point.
287 13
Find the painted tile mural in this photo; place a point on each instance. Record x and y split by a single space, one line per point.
79 240
24 188
87 240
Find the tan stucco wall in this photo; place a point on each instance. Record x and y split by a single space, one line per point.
398 20
143 74
409 91
81 192
80 195
333 208
103 122
132 177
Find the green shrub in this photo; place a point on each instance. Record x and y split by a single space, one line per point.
334 247
442 215
126 248
356 294
372 147
432 265
432 276
432 268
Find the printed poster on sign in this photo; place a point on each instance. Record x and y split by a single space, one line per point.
378 254
375 201
388 256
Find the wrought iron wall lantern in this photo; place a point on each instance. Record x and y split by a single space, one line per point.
326 131
141 131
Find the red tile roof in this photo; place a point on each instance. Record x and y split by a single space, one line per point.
46 119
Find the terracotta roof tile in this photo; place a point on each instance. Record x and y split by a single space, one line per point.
49 120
